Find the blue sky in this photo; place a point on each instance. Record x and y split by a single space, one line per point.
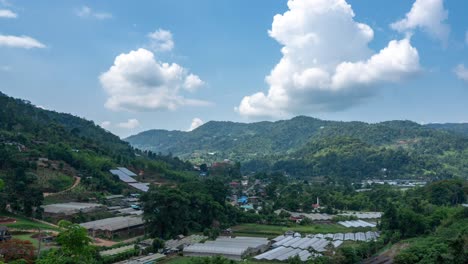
61 55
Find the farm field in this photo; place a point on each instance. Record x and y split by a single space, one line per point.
27 237
26 224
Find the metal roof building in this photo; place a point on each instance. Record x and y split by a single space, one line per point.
71 208
283 253
356 223
231 248
126 171
114 223
290 246
140 186
122 176
364 215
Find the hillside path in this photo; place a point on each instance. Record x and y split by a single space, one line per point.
75 184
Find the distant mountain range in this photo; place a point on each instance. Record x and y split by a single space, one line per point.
264 138
264 145
460 128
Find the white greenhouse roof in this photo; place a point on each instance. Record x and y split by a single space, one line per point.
122 176
114 223
126 171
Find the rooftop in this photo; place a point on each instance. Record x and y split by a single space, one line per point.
70 208
122 176
126 171
114 223
140 186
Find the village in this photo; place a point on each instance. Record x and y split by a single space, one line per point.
116 225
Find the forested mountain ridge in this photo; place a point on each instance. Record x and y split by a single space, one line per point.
22 121
275 137
310 146
461 128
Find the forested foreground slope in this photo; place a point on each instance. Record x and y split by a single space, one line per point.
40 148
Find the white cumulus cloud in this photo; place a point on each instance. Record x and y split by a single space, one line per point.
193 82
138 82
326 64
462 72
20 42
161 40
6 13
87 12
196 122
106 124
130 124
427 15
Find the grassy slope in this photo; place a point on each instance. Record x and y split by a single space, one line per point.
27 224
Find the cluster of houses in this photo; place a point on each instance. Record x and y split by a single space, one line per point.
126 220
124 215
247 194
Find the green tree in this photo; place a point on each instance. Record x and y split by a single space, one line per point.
75 247
166 211
158 244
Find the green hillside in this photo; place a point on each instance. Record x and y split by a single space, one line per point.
239 140
42 150
460 128
305 146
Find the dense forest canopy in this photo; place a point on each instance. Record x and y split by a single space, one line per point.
305 146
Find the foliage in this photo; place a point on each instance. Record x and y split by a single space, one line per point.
31 138
157 244
305 146
16 249
448 245
193 206
75 246
211 260
120 257
21 193
461 128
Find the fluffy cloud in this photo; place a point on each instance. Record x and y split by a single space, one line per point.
428 15
326 64
20 42
106 124
192 83
161 40
138 82
87 12
130 124
5 13
462 72
196 122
